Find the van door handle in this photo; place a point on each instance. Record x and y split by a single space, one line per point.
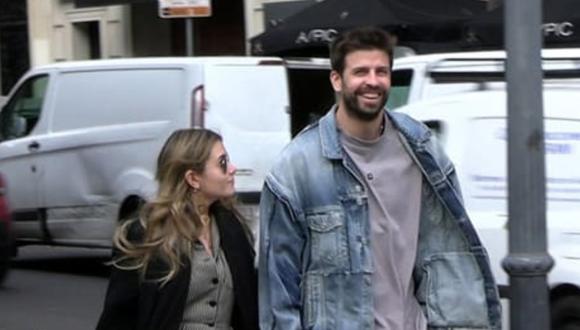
34 146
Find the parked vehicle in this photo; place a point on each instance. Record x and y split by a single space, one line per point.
6 238
78 141
421 77
472 128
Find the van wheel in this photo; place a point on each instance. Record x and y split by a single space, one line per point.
565 313
130 208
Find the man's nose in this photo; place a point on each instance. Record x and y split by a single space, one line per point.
372 79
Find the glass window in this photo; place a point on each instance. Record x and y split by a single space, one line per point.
19 116
87 99
400 87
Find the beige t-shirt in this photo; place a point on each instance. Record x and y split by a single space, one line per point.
393 184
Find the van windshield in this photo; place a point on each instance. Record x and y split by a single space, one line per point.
20 115
400 87
311 96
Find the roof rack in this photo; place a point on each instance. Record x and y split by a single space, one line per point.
493 69
306 62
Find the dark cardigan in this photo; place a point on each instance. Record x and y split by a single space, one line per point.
134 304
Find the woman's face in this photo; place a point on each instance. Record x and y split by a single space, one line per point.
217 180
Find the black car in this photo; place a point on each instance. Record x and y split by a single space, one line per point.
6 239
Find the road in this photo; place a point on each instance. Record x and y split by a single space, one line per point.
54 289
60 289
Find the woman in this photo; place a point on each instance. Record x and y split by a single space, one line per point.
187 262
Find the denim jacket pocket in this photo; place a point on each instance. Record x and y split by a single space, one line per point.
328 247
455 292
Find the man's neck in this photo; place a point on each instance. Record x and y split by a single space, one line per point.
360 129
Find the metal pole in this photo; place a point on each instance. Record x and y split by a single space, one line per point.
189 36
527 262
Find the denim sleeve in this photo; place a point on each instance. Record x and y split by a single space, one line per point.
455 184
447 166
279 274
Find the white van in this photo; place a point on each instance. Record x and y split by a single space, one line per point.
472 128
421 77
79 141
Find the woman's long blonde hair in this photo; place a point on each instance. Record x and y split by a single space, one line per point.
171 221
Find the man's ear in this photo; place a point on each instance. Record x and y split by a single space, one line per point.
336 81
192 179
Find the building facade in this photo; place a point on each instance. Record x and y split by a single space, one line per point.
36 32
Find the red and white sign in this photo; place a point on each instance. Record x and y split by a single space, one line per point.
184 8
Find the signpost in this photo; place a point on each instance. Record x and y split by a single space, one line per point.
184 8
187 9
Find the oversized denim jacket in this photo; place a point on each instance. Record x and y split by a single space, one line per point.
315 264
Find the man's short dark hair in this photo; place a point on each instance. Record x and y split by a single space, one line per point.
363 38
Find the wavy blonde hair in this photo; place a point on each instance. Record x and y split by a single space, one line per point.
171 221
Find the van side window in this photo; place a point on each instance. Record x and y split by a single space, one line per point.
400 87
20 114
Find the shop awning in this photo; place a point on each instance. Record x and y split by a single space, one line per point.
312 29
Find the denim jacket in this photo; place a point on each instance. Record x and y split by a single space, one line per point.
315 255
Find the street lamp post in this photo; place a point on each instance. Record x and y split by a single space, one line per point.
527 262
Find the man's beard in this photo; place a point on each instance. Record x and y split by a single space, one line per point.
353 108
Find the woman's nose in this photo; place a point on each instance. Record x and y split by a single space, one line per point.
233 168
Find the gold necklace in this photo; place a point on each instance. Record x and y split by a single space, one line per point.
205 219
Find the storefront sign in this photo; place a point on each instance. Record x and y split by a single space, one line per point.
184 8
316 36
558 29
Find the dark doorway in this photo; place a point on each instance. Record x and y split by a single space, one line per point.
14 53
223 33
87 40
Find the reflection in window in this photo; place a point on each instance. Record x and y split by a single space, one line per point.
19 116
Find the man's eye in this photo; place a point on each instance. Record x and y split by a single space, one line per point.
384 72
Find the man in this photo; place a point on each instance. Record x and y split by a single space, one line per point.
362 220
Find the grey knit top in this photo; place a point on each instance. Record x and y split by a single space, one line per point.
210 299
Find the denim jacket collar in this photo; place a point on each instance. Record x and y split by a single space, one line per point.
330 138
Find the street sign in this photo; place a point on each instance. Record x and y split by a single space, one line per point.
184 8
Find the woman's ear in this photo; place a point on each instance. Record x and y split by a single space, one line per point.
192 179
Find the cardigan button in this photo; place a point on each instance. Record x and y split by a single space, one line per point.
211 325
212 303
215 281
